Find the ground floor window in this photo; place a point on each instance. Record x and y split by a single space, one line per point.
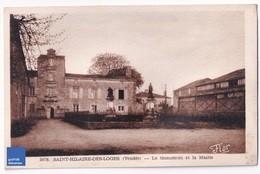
31 108
121 108
76 107
94 108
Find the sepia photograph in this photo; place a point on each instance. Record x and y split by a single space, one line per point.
121 86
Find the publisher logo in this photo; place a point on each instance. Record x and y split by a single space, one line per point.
15 156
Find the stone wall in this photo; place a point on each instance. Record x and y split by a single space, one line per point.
18 73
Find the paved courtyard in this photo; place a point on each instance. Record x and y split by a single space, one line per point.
59 135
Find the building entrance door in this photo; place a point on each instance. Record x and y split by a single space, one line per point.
52 112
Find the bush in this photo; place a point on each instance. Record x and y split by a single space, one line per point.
22 126
85 116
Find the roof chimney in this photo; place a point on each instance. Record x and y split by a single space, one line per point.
51 53
104 70
128 71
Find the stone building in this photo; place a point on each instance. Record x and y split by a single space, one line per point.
54 92
223 95
160 99
18 74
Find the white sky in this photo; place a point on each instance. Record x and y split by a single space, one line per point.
173 47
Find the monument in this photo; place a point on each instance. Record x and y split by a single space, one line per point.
110 112
150 110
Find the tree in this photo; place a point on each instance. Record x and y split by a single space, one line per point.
111 61
33 32
27 33
116 66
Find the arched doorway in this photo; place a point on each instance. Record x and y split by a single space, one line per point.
52 112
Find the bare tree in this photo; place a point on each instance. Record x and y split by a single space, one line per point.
34 32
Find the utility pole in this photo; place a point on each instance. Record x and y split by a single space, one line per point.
165 95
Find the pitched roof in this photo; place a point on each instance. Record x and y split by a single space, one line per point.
230 76
85 76
45 56
81 75
145 95
195 83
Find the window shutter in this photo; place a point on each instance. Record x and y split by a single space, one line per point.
89 93
116 93
94 93
71 93
126 94
99 93
126 109
80 92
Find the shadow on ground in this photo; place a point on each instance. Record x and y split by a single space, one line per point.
60 152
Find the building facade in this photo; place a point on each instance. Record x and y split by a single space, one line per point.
53 92
220 96
19 81
159 100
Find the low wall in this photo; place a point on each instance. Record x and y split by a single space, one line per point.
113 124
86 116
222 120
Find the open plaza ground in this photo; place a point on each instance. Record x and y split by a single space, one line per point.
56 137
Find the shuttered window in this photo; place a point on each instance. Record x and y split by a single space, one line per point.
99 93
126 94
76 107
91 93
71 93
75 93
80 92
121 94
116 93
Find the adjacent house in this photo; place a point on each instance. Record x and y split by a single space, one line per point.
160 100
222 95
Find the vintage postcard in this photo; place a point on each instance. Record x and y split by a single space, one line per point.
130 86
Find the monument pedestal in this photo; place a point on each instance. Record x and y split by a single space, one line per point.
110 112
151 115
